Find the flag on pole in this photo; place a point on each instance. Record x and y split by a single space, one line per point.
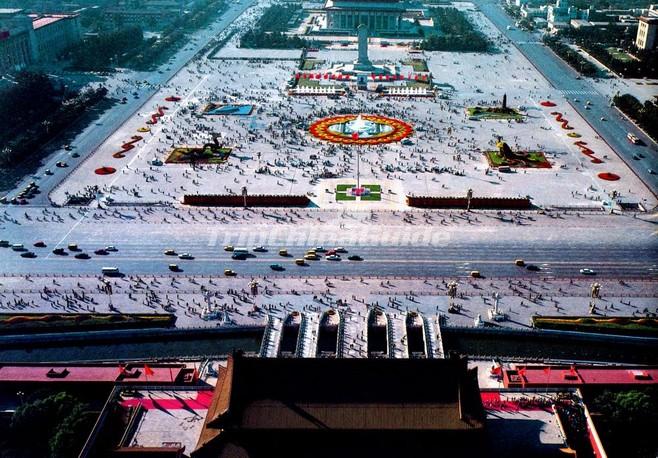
521 373
148 370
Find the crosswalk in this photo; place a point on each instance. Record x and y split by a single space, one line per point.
578 92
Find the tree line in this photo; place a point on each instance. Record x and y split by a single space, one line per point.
454 32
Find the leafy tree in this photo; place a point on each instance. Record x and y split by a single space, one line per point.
54 426
454 32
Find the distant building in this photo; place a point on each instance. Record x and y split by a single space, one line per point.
559 16
380 16
53 33
29 39
16 39
646 33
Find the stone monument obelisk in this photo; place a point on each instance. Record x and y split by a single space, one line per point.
363 63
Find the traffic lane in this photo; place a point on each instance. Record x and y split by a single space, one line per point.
367 267
559 260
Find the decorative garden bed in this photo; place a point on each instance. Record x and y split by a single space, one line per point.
622 325
29 323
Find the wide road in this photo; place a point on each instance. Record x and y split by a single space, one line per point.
564 78
93 135
390 250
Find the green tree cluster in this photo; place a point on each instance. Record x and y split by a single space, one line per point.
646 115
270 28
54 426
34 111
107 49
628 422
454 32
571 57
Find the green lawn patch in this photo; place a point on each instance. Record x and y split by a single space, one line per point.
311 64
419 65
619 55
375 192
528 160
606 325
493 113
207 154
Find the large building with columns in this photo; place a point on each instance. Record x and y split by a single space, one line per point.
380 16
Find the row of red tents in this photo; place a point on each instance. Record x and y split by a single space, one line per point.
341 77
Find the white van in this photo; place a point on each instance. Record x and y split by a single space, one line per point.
110 270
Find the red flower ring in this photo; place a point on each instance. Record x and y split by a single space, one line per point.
609 176
105 170
400 129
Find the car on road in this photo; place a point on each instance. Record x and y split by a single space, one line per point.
185 256
229 248
229 273
74 154
355 257
283 252
239 256
18 247
4 243
48 172
340 249
40 244
633 138
319 249
101 252
59 251
300 262
586 271
533 268
111 248
475 274
333 257
277 267
73 247
260 249
174 267
651 171
61 164
603 118
170 252
311 257
28 254
82 256
68 147
519 262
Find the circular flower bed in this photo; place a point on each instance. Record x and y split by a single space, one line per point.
105 170
390 130
608 176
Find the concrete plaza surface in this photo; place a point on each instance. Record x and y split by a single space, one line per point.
216 301
273 152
